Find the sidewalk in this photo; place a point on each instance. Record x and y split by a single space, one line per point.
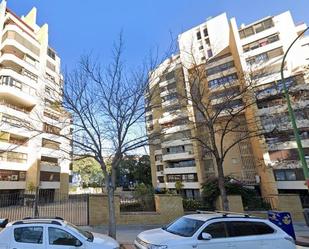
127 233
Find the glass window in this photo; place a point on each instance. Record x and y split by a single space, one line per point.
198 35
32 235
58 236
240 228
216 230
290 175
185 227
262 228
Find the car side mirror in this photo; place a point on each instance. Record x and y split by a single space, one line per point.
78 243
206 236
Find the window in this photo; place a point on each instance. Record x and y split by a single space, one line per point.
256 28
58 236
201 47
185 227
220 68
11 156
51 53
30 75
14 121
170 75
216 230
289 174
248 228
161 179
209 165
181 164
51 129
49 176
32 235
12 175
159 167
158 157
260 43
209 53
198 35
205 31
51 116
223 80
183 178
46 143
260 58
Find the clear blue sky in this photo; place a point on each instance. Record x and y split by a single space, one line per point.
78 26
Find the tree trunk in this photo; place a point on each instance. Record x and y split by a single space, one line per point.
111 209
225 202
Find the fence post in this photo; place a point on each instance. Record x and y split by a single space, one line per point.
36 202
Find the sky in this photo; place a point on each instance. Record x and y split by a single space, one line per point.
79 27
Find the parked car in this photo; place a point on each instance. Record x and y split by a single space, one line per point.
42 233
216 231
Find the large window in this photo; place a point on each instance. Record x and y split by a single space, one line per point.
260 58
12 175
46 143
220 68
171 96
46 176
11 156
51 129
182 178
261 43
223 80
256 28
289 175
14 121
181 164
32 235
246 228
51 53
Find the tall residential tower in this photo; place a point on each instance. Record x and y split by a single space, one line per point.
227 53
32 120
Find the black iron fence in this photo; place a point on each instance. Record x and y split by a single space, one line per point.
73 208
142 204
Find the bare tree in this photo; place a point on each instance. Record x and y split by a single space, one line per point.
221 111
107 108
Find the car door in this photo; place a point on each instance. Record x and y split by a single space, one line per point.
59 238
219 240
244 234
27 237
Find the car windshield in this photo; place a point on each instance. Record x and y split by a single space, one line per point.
183 226
86 234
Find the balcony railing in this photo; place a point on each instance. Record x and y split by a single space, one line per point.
11 106
10 81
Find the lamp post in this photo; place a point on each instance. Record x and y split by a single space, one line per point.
292 114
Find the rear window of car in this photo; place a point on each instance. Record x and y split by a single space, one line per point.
248 228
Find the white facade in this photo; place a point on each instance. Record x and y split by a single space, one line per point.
32 119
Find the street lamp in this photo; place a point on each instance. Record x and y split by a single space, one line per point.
292 114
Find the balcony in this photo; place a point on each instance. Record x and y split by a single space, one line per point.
186 185
180 170
50 167
167 82
291 185
9 58
17 91
176 129
178 156
49 185
12 184
176 143
169 117
170 102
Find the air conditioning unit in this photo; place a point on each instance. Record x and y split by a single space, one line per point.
14 178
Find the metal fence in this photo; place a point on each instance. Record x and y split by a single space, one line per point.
142 204
73 208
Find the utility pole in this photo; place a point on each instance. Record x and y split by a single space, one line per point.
292 114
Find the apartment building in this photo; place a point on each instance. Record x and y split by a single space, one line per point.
33 152
231 56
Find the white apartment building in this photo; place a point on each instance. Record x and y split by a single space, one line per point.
33 152
229 52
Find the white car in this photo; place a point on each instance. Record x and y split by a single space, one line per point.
41 233
216 231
